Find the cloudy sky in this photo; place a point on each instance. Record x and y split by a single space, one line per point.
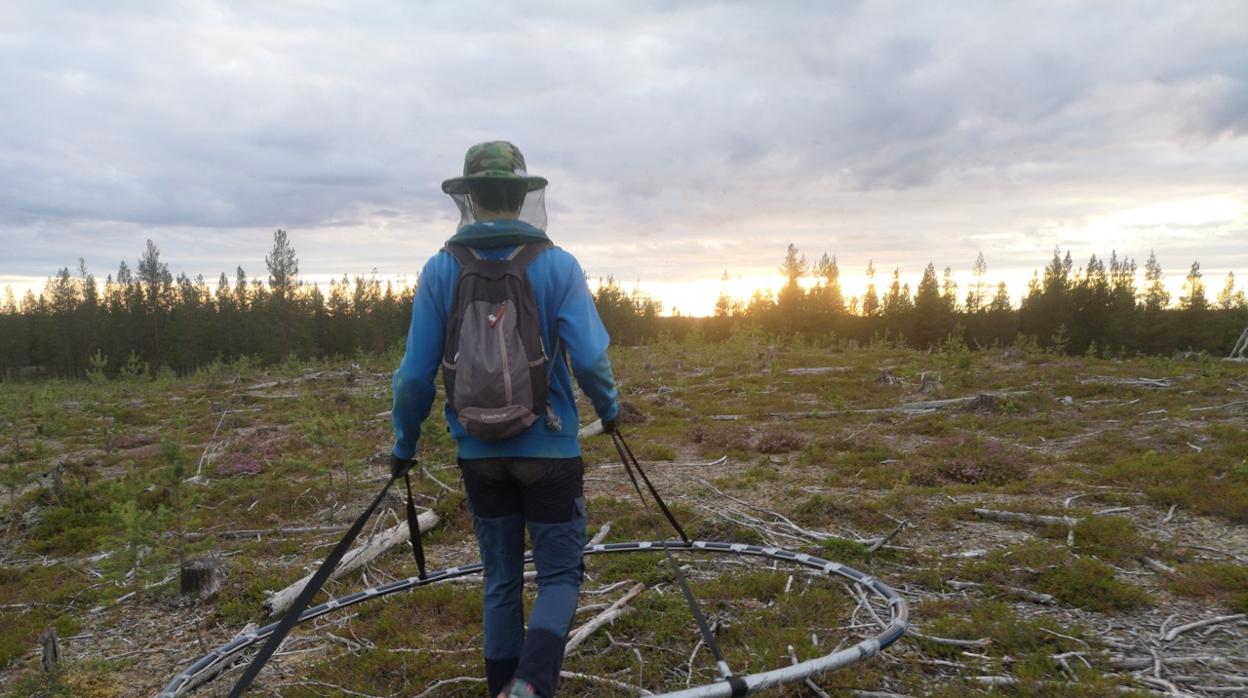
682 140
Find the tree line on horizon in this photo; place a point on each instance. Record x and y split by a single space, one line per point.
1098 308
145 320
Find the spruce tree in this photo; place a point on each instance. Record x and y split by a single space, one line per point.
932 318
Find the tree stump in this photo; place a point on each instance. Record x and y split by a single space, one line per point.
202 578
886 377
929 383
631 414
51 649
982 404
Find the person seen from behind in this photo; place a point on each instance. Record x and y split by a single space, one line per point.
503 312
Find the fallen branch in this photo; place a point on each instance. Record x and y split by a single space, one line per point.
817 370
317 375
1179 630
1028 594
635 690
809 682
1156 565
601 535
909 408
1030 519
1137 663
1227 406
339 689
434 688
608 616
981 642
356 558
1241 346
594 428
261 532
901 526
1120 380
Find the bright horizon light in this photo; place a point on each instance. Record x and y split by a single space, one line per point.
698 297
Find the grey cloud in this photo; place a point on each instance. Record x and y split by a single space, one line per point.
656 121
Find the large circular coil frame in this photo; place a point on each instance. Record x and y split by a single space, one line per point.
210 665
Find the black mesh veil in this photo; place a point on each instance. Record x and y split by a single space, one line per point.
531 211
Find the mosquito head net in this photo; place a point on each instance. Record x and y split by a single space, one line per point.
495 185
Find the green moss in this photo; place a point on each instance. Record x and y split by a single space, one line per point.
1221 580
842 550
1009 634
1091 585
1205 483
1078 581
46 591
1112 538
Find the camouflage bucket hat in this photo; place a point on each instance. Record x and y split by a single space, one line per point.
492 160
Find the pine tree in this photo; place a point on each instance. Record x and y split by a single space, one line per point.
1193 298
1228 297
156 284
792 298
1120 332
1090 301
1194 331
1001 301
793 269
1156 297
283 266
870 301
949 292
829 273
975 296
897 307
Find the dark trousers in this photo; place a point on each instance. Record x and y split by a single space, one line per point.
546 496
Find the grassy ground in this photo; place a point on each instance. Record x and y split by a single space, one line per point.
99 484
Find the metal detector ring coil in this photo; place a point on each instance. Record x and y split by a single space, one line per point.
210 665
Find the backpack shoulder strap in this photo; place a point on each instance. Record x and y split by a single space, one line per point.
464 254
523 255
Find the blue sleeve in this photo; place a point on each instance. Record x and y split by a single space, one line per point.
414 387
583 335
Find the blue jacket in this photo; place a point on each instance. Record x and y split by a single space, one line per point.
569 322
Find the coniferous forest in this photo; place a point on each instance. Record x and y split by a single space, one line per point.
145 320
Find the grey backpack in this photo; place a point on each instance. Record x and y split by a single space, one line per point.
494 362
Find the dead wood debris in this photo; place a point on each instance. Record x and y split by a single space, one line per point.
357 557
1027 594
817 370
1179 630
1241 346
258 533
1030 519
908 408
608 616
779 528
1125 380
